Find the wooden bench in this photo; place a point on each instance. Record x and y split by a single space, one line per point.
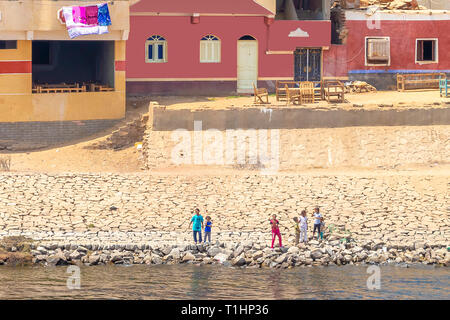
292 95
443 88
58 88
280 88
334 88
260 93
419 81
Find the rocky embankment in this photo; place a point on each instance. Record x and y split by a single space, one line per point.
244 254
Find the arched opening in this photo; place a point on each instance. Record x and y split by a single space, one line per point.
247 37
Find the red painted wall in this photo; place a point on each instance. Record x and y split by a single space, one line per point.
183 42
403 35
200 6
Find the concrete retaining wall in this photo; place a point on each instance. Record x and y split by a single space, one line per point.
259 118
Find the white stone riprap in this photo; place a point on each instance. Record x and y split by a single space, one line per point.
403 210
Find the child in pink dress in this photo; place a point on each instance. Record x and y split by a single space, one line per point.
275 230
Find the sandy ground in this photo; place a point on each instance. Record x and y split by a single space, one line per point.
368 100
78 157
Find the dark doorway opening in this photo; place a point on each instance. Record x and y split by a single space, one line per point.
73 63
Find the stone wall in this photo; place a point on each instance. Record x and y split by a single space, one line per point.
18 136
299 149
135 208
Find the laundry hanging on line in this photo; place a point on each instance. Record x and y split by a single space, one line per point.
84 20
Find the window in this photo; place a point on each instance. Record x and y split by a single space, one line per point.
426 50
378 51
209 49
156 50
8 44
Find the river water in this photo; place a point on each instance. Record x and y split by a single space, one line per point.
217 282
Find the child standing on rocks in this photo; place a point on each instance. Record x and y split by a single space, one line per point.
297 230
322 227
197 226
317 222
208 229
303 227
275 230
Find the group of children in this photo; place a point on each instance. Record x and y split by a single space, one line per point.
300 227
197 226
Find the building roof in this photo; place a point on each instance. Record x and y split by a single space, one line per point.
200 6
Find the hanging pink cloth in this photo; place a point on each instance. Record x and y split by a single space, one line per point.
92 15
79 14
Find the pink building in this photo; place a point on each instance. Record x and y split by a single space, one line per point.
386 43
223 47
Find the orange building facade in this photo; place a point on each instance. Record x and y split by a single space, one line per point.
45 76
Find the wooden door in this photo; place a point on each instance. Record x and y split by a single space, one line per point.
247 68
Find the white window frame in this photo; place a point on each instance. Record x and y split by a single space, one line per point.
366 62
436 51
156 40
215 45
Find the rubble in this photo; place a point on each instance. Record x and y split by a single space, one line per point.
358 87
382 4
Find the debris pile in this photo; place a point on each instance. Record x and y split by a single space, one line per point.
383 4
358 87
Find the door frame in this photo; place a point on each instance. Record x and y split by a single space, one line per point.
321 59
237 61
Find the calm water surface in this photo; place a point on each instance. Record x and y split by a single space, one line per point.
216 282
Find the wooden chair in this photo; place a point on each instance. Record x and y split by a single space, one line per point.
260 93
334 88
307 92
280 88
293 95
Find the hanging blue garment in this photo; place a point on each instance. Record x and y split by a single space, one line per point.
103 15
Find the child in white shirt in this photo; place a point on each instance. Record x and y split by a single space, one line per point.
303 227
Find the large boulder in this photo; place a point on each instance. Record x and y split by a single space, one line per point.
281 258
316 254
93 259
239 261
213 251
175 254
293 250
57 259
221 257
75 255
238 251
188 257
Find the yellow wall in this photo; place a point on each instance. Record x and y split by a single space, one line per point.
62 106
18 104
22 53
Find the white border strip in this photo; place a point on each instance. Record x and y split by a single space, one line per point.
423 15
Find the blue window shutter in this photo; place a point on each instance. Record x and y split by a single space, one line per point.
160 52
150 52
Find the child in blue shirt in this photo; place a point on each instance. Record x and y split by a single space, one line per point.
208 226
